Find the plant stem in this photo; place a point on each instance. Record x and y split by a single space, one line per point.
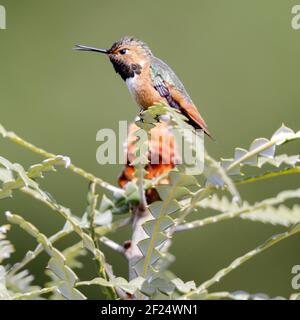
67 215
281 197
134 254
251 154
28 295
77 170
268 175
31 255
91 210
241 260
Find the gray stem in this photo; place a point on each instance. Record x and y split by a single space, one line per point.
133 253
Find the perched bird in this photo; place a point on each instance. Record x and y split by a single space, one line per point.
149 79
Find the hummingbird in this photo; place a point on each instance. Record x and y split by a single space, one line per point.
149 79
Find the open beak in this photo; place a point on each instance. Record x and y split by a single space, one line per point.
91 49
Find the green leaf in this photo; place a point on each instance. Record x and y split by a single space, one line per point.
31 295
104 216
240 295
184 287
6 248
268 175
281 215
118 282
4 293
57 261
16 177
6 175
295 296
217 176
260 148
230 210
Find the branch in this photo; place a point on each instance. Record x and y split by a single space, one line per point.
57 263
133 252
79 171
140 211
260 147
86 239
92 199
268 175
31 294
241 260
281 197
240 295
31 255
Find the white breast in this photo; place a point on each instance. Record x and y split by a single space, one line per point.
131 85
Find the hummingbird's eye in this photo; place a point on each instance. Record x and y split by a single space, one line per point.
123 51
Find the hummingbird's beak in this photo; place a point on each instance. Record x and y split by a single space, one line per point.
91 49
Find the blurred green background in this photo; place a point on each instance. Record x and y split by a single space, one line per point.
239 60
